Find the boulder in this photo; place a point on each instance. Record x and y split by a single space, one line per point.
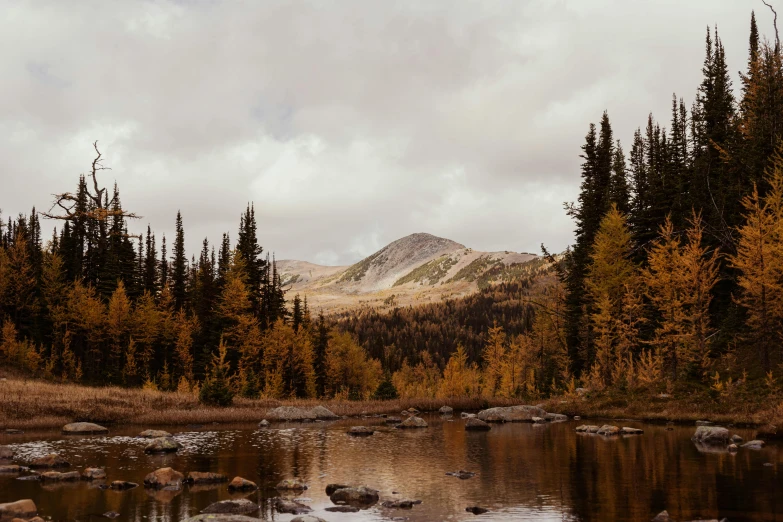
538 420
52 460
205 477
20 509
753 444
342 509
400 504
476 510
322 413
393 420
154 434
360 431
10 468
83 428
240 506
164 478
556 417
6 453
122 485
162 445
218 517
307 518
520 413
355 495
331 488
477 425
446 410
608 430
736 439
94 474
288 414
57 476
241 484
461 474
711 436
631 431
263 424
292 507
412 422
295 484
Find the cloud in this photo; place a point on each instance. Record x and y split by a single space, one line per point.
348 124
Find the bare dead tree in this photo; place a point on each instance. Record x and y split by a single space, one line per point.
775 24
66 204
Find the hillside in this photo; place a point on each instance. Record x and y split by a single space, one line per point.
416 269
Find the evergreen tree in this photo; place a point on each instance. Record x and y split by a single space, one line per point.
179 266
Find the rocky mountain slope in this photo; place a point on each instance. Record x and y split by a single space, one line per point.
416 269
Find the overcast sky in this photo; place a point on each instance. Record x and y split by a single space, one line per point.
348 123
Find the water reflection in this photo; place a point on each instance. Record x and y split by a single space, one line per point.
523 472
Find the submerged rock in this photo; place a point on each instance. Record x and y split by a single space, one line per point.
521 413
52 460
13 431
241 484
307 518
360 431
225 517
57 476
538 420
6 453
400 504
292 507
240 506
711 436
556 417
20 509
631 431
393 420
331 488
446 410
474 424
355 495
461 474
205 477
295 484
164 478
83 428
466 415
753 444
10 468
413 422
111 514
476 510
122 485
162 445
154 434
342 509
94 474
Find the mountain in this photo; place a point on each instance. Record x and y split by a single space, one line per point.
416 269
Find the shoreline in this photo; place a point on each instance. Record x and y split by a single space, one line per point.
27 404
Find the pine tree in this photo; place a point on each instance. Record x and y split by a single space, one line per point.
179 266
493 356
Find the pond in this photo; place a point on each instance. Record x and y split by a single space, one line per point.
523 472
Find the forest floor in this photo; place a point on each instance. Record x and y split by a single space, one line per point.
35 404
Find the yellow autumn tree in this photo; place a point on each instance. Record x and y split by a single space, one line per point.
493 356
118 328
241 332
350 372
417 381
519 366
759 260
460 378
546 339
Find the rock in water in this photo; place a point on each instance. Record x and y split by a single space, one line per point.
663 516
393 420
556 417
631 431
241 484
205 477
342 509
154 434
221 518
732 448
111 514
331 488
240 506
355 495
753 444
522 413
538 420
703 423
122 485
307 518
263 424
476 510
10 468
164 478
6 453
52 460
20 509
736 439
446 410
475 424
461 474
294 484
322 413
412 422
94 474
57 476
400 504
162 445
360 431
83 428
283 505
607 430
711 436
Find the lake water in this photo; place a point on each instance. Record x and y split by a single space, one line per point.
523 472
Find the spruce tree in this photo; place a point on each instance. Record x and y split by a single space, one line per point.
179 266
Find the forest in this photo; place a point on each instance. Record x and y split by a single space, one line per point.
675 276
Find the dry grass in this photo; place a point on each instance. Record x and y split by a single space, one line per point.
29 404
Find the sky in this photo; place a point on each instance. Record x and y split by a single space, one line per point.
348 123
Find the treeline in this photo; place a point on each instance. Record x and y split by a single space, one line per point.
676 264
